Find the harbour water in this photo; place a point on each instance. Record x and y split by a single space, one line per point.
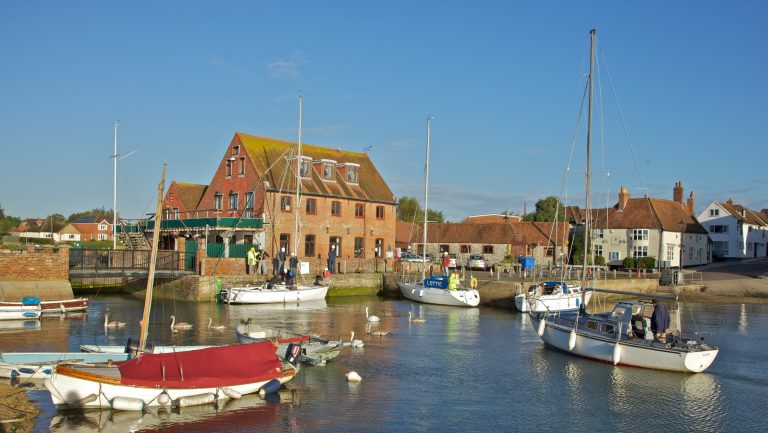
481 369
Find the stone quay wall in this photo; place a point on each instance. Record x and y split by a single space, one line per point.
39 271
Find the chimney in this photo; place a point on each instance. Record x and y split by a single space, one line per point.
691 204
730 200
623 197
677 192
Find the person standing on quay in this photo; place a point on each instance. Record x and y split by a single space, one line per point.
263 261
332 259
446 264
252 260
281 261
294 264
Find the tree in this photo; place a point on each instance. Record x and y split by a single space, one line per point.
546 209
100 214
409 209
7 222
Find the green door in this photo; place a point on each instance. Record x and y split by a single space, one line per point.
190 255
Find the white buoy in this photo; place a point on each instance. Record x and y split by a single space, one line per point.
164 399
542 325
572 339
231 393
127 403
352 376
616 354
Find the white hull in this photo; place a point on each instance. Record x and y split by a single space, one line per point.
635 353
276 295
93 348
430 295
69 391
20 313
551 303
40 365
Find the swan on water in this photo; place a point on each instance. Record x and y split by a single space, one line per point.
217 327
412 320
352 376
113 324
181 325
370 318
352 342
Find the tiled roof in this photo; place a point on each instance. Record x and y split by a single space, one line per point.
189 193
270 153
743 214
470 233
574 214
541 232
493 218
648 213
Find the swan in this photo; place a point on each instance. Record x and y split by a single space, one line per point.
352 376
113 324
412 320
370 318
211 326
379 333
181 325
352 342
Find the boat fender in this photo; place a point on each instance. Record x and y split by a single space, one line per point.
29 314
421 293
270 387
473 282
30 300
14 373
292 353
542 324
127 403
194 400
85 400
164 399
616 354
572 339
231 393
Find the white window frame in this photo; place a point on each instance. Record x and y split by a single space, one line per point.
640 234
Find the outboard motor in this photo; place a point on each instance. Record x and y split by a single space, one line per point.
292 353
132 347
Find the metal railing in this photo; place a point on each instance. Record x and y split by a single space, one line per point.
126 260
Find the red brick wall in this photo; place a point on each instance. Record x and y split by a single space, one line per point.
45 264
324 225
222 266
240 184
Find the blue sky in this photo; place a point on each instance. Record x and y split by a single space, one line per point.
503 79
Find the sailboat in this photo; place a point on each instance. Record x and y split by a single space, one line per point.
436 290
552 296
268 293
624 335
169 379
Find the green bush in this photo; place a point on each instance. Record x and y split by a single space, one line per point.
629 263
600 260
646 262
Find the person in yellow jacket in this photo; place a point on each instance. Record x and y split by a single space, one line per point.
453 281
253 260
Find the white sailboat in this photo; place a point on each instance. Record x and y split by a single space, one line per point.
436 290
269 293
169 379
624 335
552 296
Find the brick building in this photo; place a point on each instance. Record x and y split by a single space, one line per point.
344 202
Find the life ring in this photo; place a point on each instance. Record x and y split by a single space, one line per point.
473 282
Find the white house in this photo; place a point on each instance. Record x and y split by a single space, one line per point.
736 232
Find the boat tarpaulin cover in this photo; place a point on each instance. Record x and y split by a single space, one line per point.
204 368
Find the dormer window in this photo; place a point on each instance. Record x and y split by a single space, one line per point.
329 166
236 150
351 172
304 167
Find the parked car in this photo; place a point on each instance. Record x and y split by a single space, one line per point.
408 256
477 261
452 263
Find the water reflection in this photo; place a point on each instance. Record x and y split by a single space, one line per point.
248 412
743 319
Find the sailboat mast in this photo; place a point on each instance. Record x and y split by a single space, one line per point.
587 200
426 201
152 261
298 188
114 194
